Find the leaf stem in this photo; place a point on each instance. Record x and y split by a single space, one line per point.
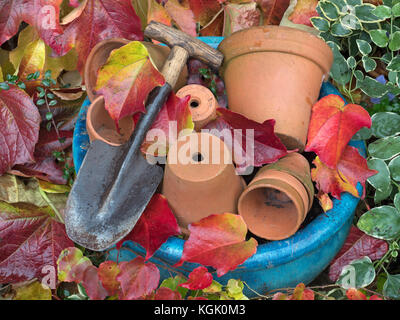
46 198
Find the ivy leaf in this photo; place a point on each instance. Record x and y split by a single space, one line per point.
304 11
30 240
385 148
332 126
391 288
176 110
199 279
240 16
137 278
126 80
154 227
357 274
97 20
381 222
218 241
273 10
43 15
19 129
357 245
267 146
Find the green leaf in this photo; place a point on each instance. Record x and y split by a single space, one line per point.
330 10
4 86
234 289
394 167
372 87
394 43
21 85
381 222
340 71
364 47
396 201
383 12
365 11
350 21
381 180
40 102
368 64
354 2
49 116
379 37
385 124
391 288
173 284
359 75
394 65
385 148
379 196
351 62
339 30
396 10
362 134
320 24
358 274
53 102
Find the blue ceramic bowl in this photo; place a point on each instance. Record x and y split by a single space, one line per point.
276 264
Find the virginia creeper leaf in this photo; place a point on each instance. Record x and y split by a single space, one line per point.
218 241
354 294
157 12
30 240
49 141
19 128
182 16
331 127
273 10
302 293
126 80
304 11
32 291
164 293
199 279
267 146
98 20
154 227
108 272
357 245
240 16
137 278
204 10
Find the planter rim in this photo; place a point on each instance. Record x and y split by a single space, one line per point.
276 39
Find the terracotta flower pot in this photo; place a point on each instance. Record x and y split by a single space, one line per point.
100 53
202 104
273 72
276 201
197 184
100 126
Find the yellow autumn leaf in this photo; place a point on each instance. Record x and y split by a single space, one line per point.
33 291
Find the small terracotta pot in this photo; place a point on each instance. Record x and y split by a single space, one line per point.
273 72
202 104
100 53
197 186
276 201
101 126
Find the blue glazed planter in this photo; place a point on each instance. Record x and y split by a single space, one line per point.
276 264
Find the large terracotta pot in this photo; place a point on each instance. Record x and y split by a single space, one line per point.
203 105
100 126
197 184
276 202
100 53
273 72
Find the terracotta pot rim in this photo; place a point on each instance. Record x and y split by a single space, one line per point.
293 195
99 46
281 39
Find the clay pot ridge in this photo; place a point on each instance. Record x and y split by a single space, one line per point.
273 72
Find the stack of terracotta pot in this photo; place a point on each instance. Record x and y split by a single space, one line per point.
270 72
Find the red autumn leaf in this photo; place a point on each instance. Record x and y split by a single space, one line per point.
351 169
267 146
182 16
49 141
240 16
30 240
137 278
92 284
154 227
175 111
280 296
126 80
204 10
304 11
273 10
302 293
98 20
375 297
74 3
218 241
108 272
44 168
199 279
164 293
332 126
19 128
157 12
43 15
357 245
214 28
354 294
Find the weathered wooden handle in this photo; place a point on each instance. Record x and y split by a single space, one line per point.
195 48
174 65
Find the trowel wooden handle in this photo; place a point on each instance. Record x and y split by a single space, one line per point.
196 48
174 65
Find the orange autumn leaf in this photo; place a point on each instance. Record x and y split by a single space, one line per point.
325 201
182 15
332 125
354 294
304 11
156 12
